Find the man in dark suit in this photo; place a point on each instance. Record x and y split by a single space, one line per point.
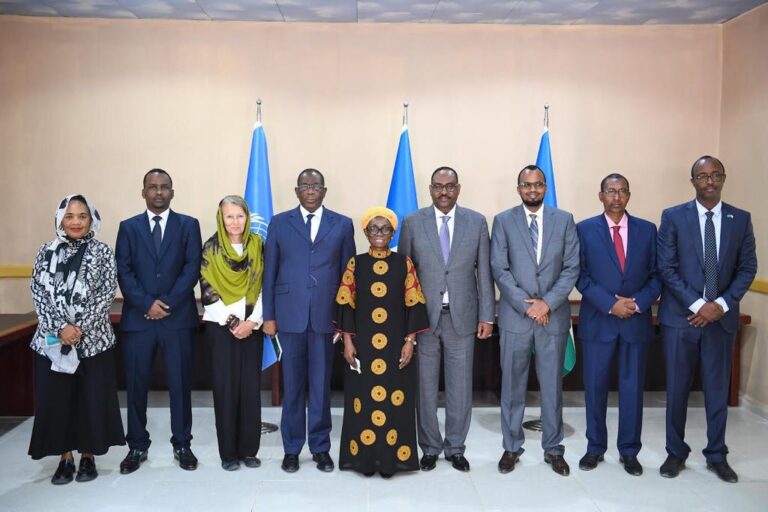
535 262
706 262
449 246
158 266
618 283
306 252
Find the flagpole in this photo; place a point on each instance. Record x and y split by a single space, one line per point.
405 113
546 116
258 110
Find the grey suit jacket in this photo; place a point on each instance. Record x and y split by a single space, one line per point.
513 262
467 276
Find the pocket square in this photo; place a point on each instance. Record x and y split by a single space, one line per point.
729 216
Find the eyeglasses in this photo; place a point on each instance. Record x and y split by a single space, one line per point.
716 177
538 185
306 188
613 192
439 187
376 230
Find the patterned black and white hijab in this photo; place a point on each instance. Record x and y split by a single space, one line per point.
64 258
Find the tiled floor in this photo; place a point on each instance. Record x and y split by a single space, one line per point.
160 485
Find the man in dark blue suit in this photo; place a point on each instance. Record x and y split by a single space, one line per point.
706 261
306 252
158 265
618 283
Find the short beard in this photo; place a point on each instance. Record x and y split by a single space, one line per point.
531 204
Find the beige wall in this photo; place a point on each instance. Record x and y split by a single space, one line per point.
744 134
90 105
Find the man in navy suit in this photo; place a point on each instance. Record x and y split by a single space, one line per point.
618 283
306 252
158 265
706 262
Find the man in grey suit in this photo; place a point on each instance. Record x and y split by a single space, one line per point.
449 246
535 262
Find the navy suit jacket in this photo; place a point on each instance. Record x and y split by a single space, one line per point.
170 276
301 277
601 279
680 260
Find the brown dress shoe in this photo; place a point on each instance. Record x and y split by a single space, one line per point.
558 463
507 461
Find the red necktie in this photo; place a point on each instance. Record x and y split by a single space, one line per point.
618 244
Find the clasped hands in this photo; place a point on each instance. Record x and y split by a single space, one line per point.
158 310
624 307
538 311
70 335
708 313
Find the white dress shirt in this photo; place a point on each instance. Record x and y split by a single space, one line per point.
717 220
540 222
315 220
163 221
219 312
439 221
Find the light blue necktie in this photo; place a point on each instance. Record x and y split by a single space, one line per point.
445 239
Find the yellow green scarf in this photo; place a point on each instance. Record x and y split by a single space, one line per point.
232 277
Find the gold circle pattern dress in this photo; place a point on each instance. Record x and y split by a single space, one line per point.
380 302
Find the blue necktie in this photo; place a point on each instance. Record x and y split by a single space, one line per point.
710 259
445 239
157 233
309 225
534 230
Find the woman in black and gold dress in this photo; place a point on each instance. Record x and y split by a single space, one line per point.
381 308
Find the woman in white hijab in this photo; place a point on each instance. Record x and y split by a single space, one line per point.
73 285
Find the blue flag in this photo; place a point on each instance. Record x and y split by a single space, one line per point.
544 162
258 195
402 189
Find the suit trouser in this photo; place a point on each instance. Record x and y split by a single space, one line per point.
515 360
236 384
307 359
139 349
598 357
711 347
457 352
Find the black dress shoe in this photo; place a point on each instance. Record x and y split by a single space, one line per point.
230 465
558 463
186 458
723 471
508 461
590 461
631 465
87 470
64 472
459 462
132 461
324 461
386 476
671 467
290 463
428 462
252 461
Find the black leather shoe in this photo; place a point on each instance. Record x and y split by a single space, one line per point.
230 465
631 465
508 461
64 472
590 461
186 458
428 462
87 470
723 471
671 467
252 461
558 463
324 461
290 463
459 462
132 461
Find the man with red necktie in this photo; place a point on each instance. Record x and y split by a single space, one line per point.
618 283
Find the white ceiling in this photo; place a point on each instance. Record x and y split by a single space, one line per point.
543 12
